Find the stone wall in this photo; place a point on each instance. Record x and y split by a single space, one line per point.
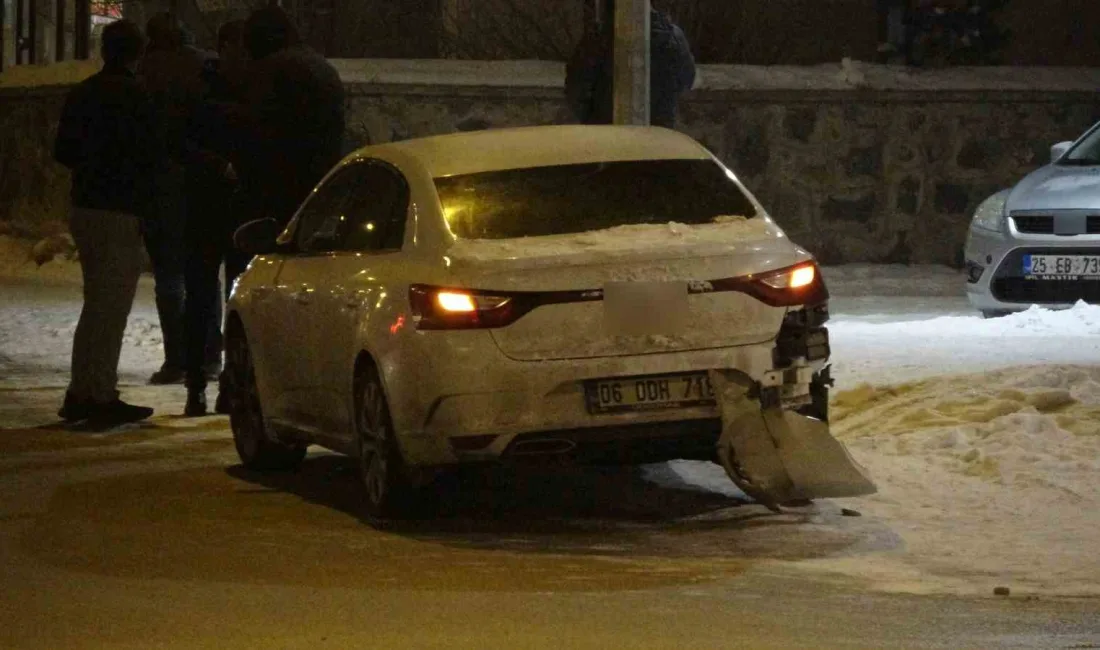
858 165
33 189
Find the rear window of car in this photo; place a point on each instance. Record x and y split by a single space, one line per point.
567 199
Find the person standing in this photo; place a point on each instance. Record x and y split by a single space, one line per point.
893 29
171 70
590 72
214 211
295 116
108 137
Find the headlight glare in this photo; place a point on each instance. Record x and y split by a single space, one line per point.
990 214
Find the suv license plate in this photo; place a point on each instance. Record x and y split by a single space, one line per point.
649 393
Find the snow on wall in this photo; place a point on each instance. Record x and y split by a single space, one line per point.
65 73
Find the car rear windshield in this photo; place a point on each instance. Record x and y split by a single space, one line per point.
568 199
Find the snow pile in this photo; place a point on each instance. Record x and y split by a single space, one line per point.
1082 320
850 74
896 352
65 73
51 259
38 319
725 230
990 479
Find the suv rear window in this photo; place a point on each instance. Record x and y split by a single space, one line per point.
569 199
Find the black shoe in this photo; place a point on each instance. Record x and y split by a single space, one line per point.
196 404
167 375
74 410
221 404
117 412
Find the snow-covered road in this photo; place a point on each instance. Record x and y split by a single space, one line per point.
983 436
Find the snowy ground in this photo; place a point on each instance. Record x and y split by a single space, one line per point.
983 436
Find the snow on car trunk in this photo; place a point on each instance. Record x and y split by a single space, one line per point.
645 271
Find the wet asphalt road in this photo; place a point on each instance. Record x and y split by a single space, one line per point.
155 537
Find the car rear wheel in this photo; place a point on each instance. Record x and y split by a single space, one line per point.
994 313
256 450
381 466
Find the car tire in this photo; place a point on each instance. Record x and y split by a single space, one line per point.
382 469
255 448
989 314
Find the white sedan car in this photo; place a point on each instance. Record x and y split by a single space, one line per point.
540 292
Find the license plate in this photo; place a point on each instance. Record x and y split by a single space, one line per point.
1061 267
649 393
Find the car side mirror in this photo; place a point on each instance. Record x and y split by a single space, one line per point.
257 237
1059 150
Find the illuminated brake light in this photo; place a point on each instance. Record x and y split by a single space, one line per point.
456 303
801 284
802 277
793 278
436 308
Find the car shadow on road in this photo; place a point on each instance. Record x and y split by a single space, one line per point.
607 511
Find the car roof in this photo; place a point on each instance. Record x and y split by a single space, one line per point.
539 146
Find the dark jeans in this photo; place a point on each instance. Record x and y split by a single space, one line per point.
167 241
205 302
164 240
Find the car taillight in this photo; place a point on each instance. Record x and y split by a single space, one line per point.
796 278
437 308
792 286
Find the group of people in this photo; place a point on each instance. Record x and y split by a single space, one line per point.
171 149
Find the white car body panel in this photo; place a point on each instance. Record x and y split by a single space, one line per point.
310 318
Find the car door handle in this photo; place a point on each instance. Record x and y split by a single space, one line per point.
304 295
354 300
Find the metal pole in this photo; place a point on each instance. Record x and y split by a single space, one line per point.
82 27
3 26
20 21
631 83
32 32
60 33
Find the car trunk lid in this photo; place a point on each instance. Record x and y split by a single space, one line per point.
630 290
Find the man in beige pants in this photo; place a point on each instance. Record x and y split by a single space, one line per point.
107 137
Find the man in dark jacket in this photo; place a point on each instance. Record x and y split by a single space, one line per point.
171 70
590 73
295 116
214 212
108 137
